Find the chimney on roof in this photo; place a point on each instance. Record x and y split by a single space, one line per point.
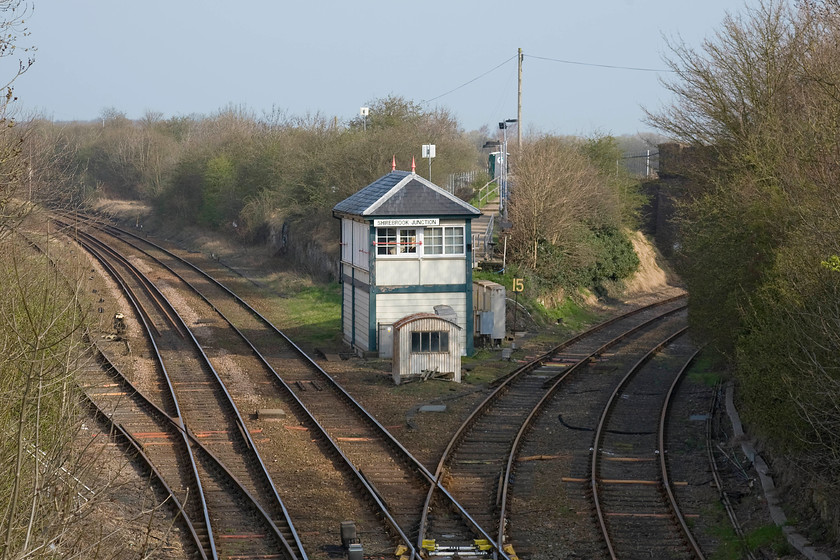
394 163
413 165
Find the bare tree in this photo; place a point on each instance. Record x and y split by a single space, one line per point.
12 16
557 191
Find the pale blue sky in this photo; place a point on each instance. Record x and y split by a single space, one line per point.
180 57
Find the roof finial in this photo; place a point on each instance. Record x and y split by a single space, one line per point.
413 165
394 163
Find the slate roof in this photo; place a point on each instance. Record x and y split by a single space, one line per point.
402 193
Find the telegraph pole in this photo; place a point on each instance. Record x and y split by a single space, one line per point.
519 105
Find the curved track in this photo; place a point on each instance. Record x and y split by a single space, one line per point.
628 485
392 477
476 465
195 396
204 490
469 506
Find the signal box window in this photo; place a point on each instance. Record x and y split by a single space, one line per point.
393 241
386 241
448 240
408 241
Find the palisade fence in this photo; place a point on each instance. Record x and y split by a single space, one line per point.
462 179
641 164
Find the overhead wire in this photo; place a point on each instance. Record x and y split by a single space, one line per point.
610 66
504 94
469 82
559 60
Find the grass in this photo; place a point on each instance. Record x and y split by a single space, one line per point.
505 278
316 304
729 545
570 313
771 537
767 537
314 313
705 369
484 367
476 200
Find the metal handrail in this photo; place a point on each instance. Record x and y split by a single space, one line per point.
483 198
488 235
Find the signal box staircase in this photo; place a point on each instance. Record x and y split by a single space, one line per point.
483 227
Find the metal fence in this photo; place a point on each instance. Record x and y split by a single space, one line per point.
462 179
641 164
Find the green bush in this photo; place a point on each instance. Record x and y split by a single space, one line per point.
615 257
601 256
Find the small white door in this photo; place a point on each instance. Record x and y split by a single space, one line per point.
386 341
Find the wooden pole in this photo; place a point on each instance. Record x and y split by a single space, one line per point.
519 105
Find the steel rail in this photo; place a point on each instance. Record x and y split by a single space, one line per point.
713 465
142 280
145 459
557 381
518 373
189 436
334 447
504 381
177 410
374 495
540 360
138 454
240 423
144 283
418 466
599 431
321 430
663 465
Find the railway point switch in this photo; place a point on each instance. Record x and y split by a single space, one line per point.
480 548
350 542
119 325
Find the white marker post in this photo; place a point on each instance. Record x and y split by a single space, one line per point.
363 112
429 152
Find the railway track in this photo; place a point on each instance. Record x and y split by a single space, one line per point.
393 479
222 518
192 394
94 369
629 483
732 470
476 464
587 474
461 507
